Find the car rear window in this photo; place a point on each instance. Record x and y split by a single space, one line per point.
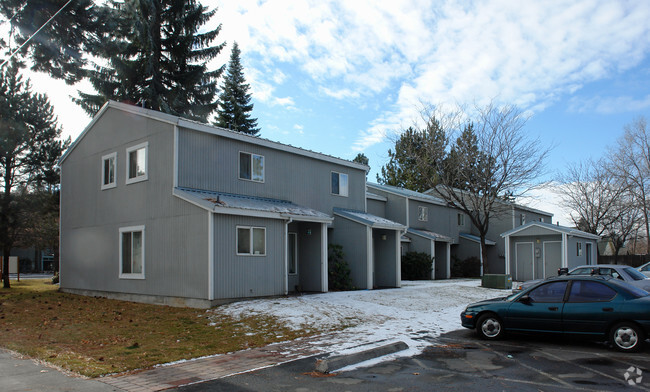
590 291
634 274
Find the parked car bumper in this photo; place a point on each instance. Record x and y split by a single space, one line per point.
468 319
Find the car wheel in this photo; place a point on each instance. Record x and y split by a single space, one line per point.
627 337
490 327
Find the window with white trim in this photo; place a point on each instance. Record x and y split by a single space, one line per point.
136 163
423 213
461 220
251 241
251 167
109 166
132 252
579 249
339 184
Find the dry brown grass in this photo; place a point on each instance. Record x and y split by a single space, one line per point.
97 336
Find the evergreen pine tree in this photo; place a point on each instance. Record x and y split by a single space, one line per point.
59 47
235 104
157 58
29 148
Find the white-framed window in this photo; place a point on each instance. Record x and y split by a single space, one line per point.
522 219
339 184
423 213
251 167
461 219
579 249
137 163
251 241
109 169
132 252
292 253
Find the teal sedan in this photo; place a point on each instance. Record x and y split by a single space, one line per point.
598 308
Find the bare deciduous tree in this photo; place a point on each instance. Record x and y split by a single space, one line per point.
630 161
492 162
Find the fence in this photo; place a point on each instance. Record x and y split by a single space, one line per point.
631 260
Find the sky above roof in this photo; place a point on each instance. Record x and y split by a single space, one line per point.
343 77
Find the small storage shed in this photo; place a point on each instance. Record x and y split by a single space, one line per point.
536 250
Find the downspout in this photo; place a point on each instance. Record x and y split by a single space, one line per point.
286 255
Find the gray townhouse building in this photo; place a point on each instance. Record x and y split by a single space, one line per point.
156 208
444 232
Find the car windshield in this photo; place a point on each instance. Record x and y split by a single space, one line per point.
581 271
634 274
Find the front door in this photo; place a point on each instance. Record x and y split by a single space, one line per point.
524 261
292 262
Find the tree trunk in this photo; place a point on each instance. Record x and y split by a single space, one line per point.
484 268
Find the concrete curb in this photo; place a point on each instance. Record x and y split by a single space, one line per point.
329 364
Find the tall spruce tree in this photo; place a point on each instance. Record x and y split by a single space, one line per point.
235 104
157 57
29 147
69 29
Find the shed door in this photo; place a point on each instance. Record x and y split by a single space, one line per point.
524 261
552 257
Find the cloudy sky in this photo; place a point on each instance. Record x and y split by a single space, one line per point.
341 77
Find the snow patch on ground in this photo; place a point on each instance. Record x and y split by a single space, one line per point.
416 313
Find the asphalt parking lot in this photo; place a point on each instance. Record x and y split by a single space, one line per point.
460 361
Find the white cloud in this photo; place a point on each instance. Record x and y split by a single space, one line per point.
610 105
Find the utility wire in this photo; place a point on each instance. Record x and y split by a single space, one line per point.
36 32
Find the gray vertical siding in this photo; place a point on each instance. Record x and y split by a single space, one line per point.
352 236
248 276
377 208
386 271
176 258
211 162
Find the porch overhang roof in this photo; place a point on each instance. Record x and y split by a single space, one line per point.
430 235
367 219
551 229
475 238
233 204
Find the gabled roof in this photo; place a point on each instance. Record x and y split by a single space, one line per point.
475 238
432 192
406 193
232 204
555 228
430 235
197 126
367 219
374 196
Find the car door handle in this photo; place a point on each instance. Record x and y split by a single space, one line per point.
552 308
608 309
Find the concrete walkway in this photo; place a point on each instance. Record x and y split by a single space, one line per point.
18 373
212 368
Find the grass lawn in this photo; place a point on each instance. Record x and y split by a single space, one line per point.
96 336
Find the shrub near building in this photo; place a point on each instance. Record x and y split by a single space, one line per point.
416 266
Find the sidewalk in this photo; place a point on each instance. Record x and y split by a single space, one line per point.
212 368
18 373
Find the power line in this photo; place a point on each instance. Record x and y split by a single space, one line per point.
36 32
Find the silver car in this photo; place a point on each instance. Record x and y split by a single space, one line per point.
623 272
645 269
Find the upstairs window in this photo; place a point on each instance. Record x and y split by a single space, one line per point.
251 167
522 219
109 163
423 213
136 163
461 220
339 184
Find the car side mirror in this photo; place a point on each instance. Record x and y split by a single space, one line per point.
525 299
562 271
